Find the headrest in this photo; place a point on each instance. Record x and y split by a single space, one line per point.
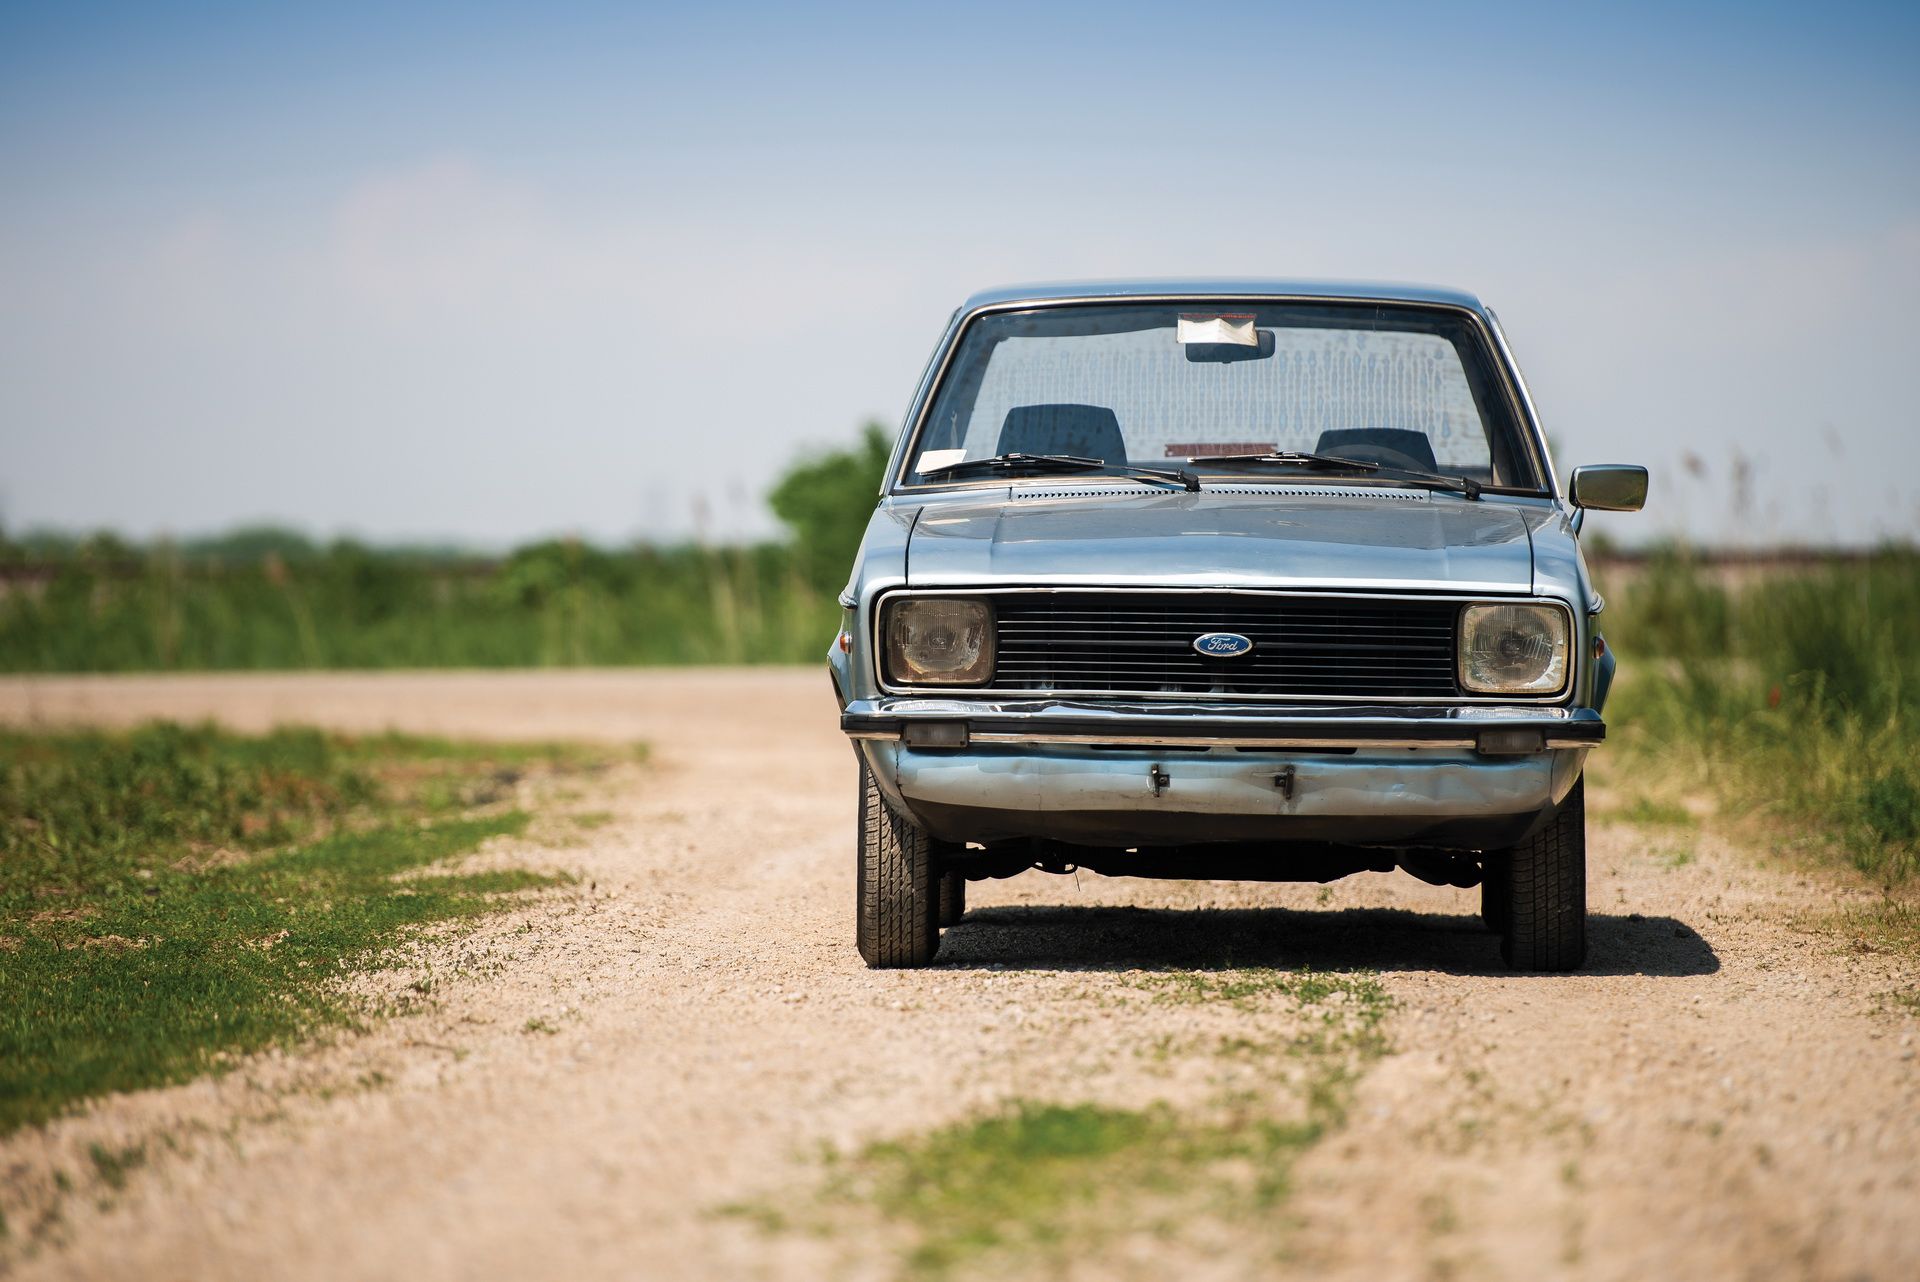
1387 446
1089 431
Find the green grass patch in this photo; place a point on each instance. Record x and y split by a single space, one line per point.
1040 1178
1039 1184
1247 986
112 1164
175 897
1677 856
1648 812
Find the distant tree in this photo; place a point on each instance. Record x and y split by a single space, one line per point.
827 499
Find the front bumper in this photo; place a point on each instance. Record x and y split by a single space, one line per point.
1464 777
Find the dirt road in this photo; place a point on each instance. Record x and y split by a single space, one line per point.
1725 1092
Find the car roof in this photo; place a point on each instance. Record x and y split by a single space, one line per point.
1222 286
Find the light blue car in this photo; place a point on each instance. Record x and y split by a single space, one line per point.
1225 579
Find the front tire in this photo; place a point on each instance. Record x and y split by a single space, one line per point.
953 898
898 921
1545 884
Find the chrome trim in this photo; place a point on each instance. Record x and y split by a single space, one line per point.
1543 455
880 600
934 369
1244 725
1573 648
896 482
1191 741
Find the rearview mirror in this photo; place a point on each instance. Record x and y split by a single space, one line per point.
1610 487
1226 353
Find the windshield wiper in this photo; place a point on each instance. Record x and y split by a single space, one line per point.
1063 463
1464 485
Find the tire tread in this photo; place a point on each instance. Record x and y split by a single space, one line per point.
1546 892
897 923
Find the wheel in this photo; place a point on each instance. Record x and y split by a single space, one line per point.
898 921
1494 889
1546 892
953 898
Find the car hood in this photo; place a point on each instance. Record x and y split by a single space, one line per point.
1370 540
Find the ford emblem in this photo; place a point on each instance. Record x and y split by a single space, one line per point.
1222 645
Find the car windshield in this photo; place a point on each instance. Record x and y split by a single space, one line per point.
1159 384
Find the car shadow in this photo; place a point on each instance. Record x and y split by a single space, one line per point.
1377 939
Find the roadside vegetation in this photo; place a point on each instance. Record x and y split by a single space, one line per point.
1046 1187
272 598
1791 700
175 897
101 605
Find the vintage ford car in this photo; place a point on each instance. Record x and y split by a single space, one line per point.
1225 579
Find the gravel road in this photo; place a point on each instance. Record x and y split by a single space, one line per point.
1729 1090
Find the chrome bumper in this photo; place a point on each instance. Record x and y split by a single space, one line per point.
1475 777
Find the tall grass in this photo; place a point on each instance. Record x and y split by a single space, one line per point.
109 607
1795 694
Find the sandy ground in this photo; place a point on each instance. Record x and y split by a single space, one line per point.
1725 1092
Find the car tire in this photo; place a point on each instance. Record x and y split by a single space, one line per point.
953 898
1546 892
1494 890
898 922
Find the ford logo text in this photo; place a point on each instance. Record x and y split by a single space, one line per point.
1222 645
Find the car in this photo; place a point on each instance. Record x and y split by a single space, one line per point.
1238 579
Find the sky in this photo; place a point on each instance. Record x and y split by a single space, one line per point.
485 273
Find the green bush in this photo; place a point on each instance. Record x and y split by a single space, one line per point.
828 500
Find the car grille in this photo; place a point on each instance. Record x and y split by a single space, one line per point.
1337 647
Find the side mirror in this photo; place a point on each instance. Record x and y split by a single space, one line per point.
1610 487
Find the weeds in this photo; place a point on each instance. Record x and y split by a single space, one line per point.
1796 696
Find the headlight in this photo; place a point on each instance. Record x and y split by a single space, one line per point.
938 641
1513 649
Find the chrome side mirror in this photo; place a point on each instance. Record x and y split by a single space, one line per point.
1610 487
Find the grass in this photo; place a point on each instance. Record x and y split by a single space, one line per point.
1795 699
1039 1177
175 897
1246 988
1040 1183
1650 813
106 606
111 1165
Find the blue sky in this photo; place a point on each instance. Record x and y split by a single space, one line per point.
487 272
